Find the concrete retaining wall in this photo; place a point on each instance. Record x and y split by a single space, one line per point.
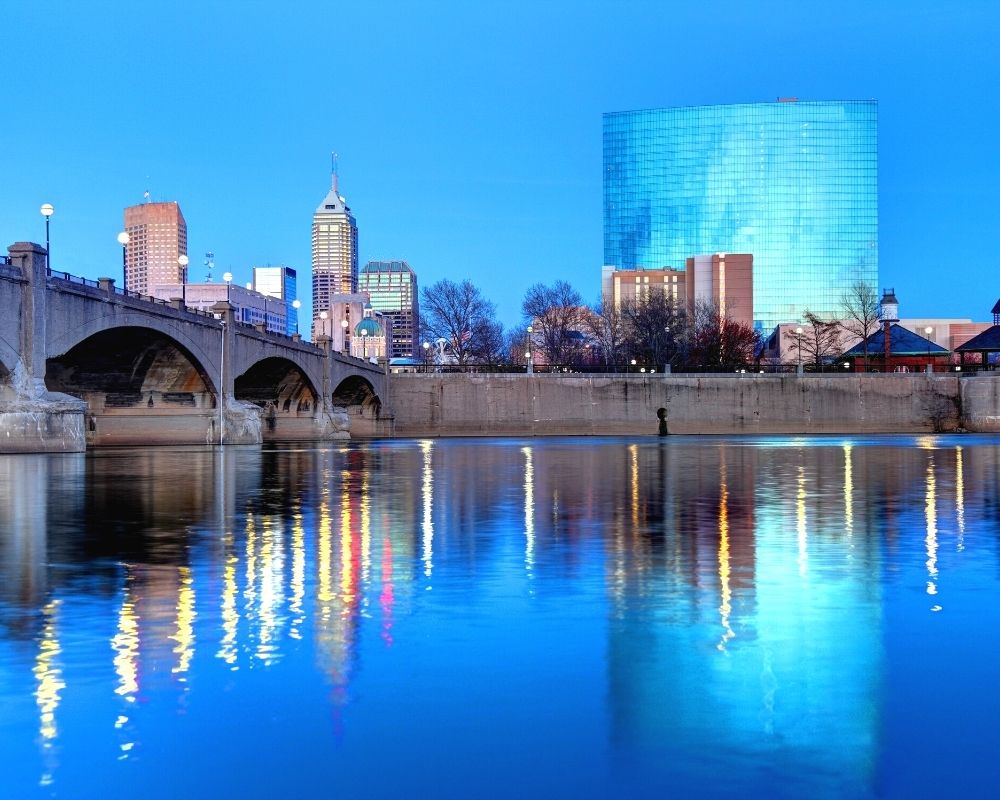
459 404
981 404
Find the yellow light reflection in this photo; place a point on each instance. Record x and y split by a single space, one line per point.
324 562
272 559
800 522
849 492
230 615
48 675
298 575
427 494
125 644
930 512
960 497
347 584
633 457
250 592
725 570
184 650
529 508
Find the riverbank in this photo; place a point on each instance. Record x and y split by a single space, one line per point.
538 405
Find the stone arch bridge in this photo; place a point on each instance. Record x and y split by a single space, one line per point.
84 363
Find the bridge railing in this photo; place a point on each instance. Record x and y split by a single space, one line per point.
145 298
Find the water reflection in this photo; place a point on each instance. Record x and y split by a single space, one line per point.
726 598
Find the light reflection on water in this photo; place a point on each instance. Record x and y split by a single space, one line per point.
564 617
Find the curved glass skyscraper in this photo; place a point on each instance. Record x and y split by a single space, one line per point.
795 184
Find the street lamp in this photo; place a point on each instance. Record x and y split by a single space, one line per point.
182 262
527 355
228 278
323 315
928 331
47 211
364 343
296 305
798 343
427 353
343 336
123 240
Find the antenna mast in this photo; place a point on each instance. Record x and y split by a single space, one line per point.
334 177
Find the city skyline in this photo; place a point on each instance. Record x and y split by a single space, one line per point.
431 188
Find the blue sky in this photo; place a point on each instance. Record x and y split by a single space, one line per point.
469 133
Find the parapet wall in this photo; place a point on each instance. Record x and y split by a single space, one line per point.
517 405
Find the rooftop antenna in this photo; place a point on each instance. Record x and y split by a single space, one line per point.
209 264
334 178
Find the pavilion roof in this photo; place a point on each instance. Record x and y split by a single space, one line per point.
987 340
902 342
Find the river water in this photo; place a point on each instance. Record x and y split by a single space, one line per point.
576 617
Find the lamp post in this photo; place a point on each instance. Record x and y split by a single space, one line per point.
343 336
123 240
47 211
798 346
322 322
364 343
228 278
182 262
527 355
927 332
222 383
427 352
296 305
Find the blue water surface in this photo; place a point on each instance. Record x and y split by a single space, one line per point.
572 617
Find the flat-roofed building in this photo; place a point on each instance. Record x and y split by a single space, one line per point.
724 281
392 289
157 238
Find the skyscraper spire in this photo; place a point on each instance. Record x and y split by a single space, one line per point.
334 178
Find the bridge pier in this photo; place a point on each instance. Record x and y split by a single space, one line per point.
33 419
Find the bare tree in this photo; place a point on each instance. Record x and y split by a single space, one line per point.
717 341
819 342
556 316
656 327
606 326
459 314
491 347
862 313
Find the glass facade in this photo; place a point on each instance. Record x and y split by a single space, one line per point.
795 184
392 287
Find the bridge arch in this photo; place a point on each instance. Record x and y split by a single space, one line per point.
284 391
8 360
141 386
358 396
191 336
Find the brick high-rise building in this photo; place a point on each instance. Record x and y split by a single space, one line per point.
157 239
334 250
392 287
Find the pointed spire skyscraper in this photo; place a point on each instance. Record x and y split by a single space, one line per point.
334 247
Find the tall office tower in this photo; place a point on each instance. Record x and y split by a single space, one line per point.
334 250
392 287
279 282
792 183
157 239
